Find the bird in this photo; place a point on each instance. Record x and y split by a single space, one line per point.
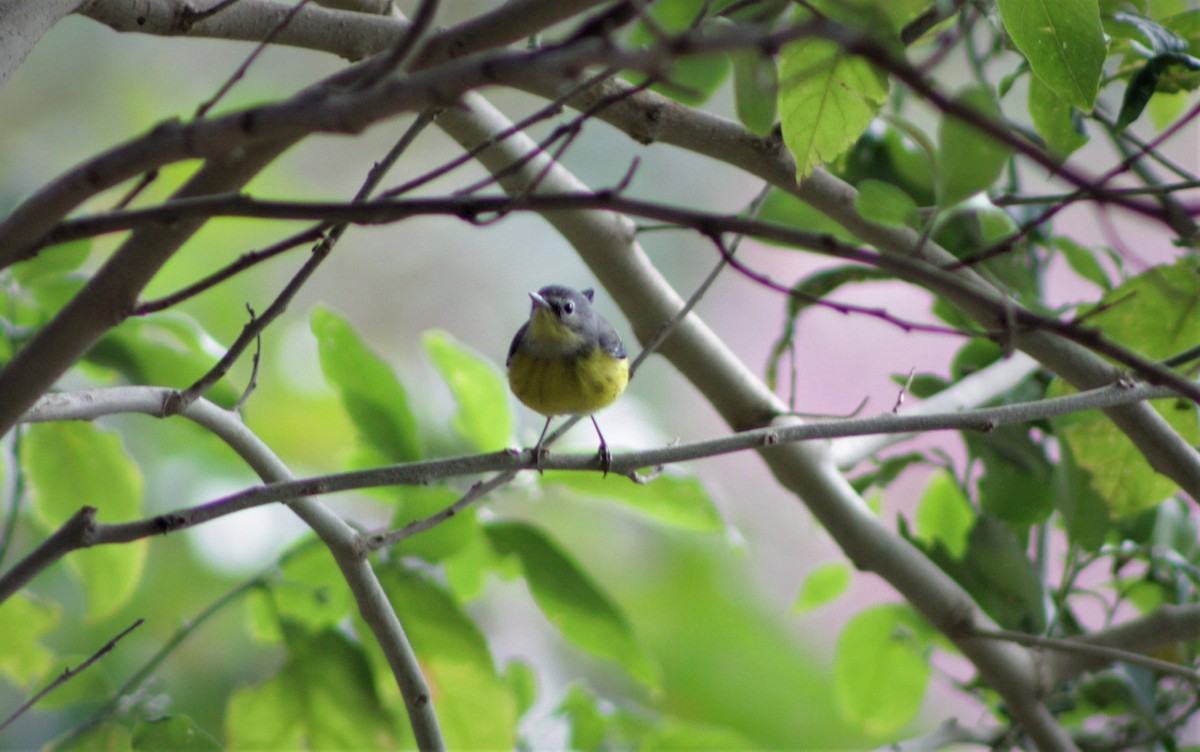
567 360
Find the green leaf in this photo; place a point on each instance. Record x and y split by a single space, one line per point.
1055 119
323 697
944 515
467 570
782 208
691 79
53 262
1063 42
1082 261
476 708
822 585
884 203
755 90
24 620
370 391
886 471
998 574
969 160
1158 313
167 349
895 151
484 417
107 736
588 725
571 600
443 540
1084 513
680 502
309 591
827 98
1016 482
177 733
1145 83
71 465
521 678
880 670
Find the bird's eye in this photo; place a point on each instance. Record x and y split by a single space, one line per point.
568 308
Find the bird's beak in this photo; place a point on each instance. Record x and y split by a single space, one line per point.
539 301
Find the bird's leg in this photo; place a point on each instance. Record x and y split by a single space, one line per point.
605 455
537 448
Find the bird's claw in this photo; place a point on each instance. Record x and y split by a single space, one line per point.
606 459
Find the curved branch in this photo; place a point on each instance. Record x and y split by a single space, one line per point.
606 243
343 542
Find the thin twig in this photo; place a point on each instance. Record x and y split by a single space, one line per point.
70 673
183 632
1090 649
258 50
83 530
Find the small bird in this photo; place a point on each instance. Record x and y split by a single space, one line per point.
567 360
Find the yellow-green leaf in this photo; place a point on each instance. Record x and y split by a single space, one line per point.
72 465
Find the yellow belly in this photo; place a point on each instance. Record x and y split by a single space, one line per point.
558 386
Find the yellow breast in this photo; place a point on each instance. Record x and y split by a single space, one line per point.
563 385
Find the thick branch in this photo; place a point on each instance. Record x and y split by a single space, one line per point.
606 243
343 542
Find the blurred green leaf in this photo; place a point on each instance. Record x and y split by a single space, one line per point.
1016 482
442 540
885 203
53 262
894 151
880 668
755 90
1063 42
166 349
69 466
309 590
476 708
177 733
822 585
974 356
107 736
782 208
1084 513
886 471
998 573
1158 313
370 391
691 79
1055 119
1175 529
827 98
969 160
467 570
1082 261
484 417
944 515
322 698
24 620
571 600
681 502
521 678
588 725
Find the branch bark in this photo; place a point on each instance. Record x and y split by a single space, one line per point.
606 244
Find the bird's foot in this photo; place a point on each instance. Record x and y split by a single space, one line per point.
606 458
